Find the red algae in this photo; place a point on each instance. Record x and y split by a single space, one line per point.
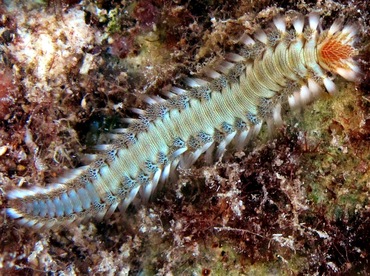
7 92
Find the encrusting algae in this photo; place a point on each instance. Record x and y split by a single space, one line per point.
296 203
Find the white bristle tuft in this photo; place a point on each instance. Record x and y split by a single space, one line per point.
57 186
209 154
305 95
13 213
38 225
349 30
202 150
291 102
279 23
177 153
178 90
137 111
70 174
191 82
50 223
20 193
169 94
314 87
103 147
111 209
201 82
222 146
128 120
224 67
234 57
212 74
314 20
241 140
294 100
149 100
354 67
247 40
112 136
166 173
147 191
330 86
27 222
189 160
348 74
261 36
156 178
298 24
257 128
88 158
120 130
159 99
335 27
276 114
174 165
131 196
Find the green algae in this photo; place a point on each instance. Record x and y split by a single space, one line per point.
333 174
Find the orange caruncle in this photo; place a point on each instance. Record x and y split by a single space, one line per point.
334 51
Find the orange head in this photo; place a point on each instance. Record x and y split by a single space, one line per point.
336 51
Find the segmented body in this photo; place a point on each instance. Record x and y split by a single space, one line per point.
230 103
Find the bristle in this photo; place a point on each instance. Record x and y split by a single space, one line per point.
349 30
208 157
241 139
261 36
178 91
177 153
298 24
247 40
18 193
70 175
293 101
314 87
279 23
224 143
111 210
88 158
147 191
137 111
103 147
224 67
120 130
166 173
276 115
330 86
149 100
314 20
128 120
348 74
335 27
13 213
211 73
191 82
130 197
234 57
305 95
189 160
